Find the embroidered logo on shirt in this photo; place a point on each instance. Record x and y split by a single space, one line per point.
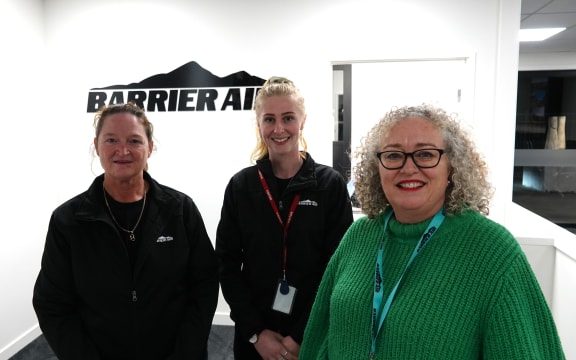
162 239
308 203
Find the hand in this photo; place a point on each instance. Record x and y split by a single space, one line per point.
292 347
269 345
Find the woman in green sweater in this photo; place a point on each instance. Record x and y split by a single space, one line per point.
425 274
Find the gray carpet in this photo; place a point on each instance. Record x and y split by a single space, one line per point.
219 346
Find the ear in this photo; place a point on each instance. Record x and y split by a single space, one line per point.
151 147
303 122
96 146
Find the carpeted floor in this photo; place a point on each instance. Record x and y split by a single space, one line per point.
219 346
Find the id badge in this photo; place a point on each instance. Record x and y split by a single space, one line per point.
284 297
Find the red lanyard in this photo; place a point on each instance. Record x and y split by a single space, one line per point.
288 220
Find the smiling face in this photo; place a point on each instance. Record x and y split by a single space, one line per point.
280 121
415 194
122 146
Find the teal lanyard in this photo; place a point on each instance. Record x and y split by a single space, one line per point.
378 315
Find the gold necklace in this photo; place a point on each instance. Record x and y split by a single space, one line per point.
130 232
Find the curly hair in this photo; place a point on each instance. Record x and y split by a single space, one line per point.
468 188
276 86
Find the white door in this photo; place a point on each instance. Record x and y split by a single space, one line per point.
379 86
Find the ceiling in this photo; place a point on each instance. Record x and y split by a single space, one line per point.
546 14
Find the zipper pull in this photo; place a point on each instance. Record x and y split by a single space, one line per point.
134 297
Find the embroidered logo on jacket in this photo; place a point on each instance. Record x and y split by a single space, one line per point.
162 239
308 203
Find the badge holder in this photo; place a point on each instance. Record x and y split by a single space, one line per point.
284 299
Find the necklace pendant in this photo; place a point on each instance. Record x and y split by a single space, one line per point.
130 232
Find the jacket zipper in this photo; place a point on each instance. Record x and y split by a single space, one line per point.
133 293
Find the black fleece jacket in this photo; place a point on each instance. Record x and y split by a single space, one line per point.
249 243
93 304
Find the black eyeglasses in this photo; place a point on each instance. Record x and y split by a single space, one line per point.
423 158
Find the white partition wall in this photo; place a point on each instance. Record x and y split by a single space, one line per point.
551 251
565 293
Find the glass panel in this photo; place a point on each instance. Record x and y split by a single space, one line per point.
545 155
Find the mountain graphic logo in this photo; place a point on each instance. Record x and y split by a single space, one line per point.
190 87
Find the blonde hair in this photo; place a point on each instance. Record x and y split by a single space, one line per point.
468 187
276 86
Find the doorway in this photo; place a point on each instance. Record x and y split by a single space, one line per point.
364 91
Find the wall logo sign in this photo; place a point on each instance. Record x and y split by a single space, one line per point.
187 88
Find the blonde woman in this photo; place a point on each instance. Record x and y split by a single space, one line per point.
281 220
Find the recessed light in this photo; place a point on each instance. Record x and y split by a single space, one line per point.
538 34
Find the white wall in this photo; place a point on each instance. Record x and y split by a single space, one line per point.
551 251
565 292
27 181
97 43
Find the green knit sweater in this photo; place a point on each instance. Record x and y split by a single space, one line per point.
469 294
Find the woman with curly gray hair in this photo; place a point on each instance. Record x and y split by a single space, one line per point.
467 187
425 274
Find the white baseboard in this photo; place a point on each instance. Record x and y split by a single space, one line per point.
19 343
220 318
